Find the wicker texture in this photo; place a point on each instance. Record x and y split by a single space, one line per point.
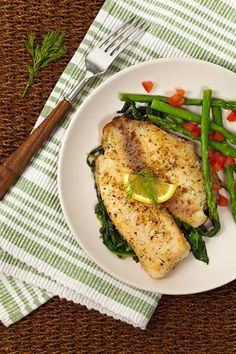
202 323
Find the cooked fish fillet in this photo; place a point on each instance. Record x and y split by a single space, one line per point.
168 157
152 232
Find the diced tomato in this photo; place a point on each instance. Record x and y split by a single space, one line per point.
190 126
217 136
196 132
211 135
180 92
220 158
176 100
193 128
148 86
232 117
217 160
211 154
216 166
222 201
229 161
216 187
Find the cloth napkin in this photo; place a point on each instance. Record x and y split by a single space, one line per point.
39 257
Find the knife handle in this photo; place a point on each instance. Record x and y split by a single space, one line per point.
17 162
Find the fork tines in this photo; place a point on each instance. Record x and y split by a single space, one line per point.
125 34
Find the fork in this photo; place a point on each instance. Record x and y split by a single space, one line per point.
97 62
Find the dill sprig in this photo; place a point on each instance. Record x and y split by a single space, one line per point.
52 48
145 179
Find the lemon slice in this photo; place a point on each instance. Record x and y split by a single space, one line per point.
135 188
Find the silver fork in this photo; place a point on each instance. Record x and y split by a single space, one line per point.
102 56
97 62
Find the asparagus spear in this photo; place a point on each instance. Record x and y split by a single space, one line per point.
222 147
132 97
231 189
192 117
212 206
217 115
176 119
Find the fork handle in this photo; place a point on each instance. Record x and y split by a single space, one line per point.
17 162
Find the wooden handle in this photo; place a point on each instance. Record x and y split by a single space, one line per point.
17 162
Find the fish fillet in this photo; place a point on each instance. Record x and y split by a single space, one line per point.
170 158
152 232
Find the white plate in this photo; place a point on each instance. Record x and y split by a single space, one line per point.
76 185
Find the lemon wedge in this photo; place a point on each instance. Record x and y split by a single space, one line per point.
141 189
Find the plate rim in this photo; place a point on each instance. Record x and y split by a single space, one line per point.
60 165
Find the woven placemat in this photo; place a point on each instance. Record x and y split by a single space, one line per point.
201 323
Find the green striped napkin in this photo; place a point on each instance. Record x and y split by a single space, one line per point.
39 257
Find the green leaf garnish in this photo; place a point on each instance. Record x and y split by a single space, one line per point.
52 48
145 179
